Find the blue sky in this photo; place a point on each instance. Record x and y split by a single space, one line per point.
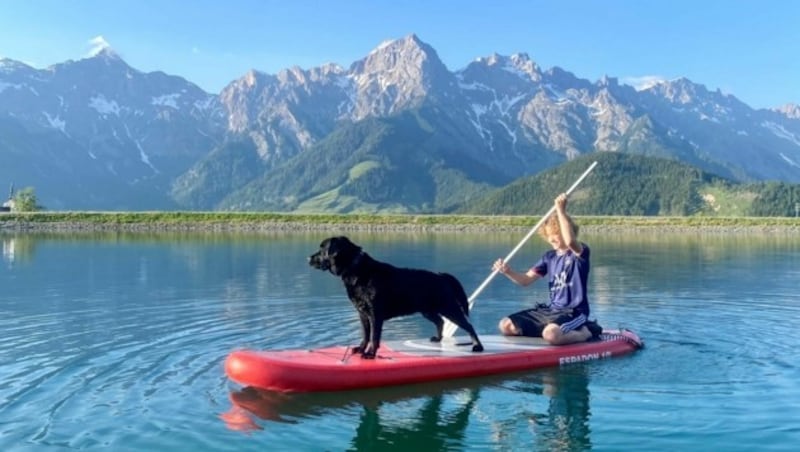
747 48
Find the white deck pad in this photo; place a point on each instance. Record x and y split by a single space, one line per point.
461 345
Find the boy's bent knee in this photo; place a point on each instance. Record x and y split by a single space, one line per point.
552 334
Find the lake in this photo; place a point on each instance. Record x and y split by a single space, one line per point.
118 341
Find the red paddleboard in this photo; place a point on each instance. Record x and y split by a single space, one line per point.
413 361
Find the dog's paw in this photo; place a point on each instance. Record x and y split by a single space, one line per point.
436 338
367 350
477 348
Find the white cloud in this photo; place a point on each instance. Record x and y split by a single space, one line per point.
643 82
98 44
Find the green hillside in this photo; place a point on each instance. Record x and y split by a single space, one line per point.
400 164
202 187
624 184
413 163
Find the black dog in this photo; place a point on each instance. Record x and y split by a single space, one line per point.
380 291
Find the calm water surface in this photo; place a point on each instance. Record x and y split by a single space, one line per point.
118 342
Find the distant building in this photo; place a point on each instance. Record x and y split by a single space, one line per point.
8 206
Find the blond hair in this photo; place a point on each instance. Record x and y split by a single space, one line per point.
552 225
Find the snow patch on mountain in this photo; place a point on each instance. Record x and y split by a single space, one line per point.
8 66
473 86
103 105
790 110
56 122
555 93
705 117
479 110
167 100
781 132
142 154
510 132
343 81
4 86
644 82
99 45
514 70
788 160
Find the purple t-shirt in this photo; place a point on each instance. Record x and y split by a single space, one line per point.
568 278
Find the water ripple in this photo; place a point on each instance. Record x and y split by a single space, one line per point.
124 351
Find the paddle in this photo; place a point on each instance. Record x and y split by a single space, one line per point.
450 327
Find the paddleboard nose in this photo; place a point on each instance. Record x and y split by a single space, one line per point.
236 364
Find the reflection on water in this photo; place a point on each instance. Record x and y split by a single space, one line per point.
565 425
17 249
430 426
8 250
118 341
550 411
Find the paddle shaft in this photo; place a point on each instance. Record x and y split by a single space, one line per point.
450 327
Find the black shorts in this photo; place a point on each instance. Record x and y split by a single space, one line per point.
531 322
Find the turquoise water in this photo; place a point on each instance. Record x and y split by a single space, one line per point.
118 341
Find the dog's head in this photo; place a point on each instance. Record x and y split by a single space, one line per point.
336 254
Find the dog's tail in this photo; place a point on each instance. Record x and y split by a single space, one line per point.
458 291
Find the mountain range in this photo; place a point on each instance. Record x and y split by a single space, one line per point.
396 131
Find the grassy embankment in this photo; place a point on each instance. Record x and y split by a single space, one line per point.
266 221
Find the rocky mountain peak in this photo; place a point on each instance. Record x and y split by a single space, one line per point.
102 61
401 54
106 53
519 64
292 75
680 90
8 65
510 76
326 70
137 133
562 78
606 81
398 74
522 61
789 110
491 60
250 79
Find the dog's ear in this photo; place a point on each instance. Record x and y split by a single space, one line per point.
340 243
342 246
350 246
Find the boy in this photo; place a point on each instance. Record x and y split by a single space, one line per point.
565 320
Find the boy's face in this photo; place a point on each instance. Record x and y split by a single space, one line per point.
553 236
